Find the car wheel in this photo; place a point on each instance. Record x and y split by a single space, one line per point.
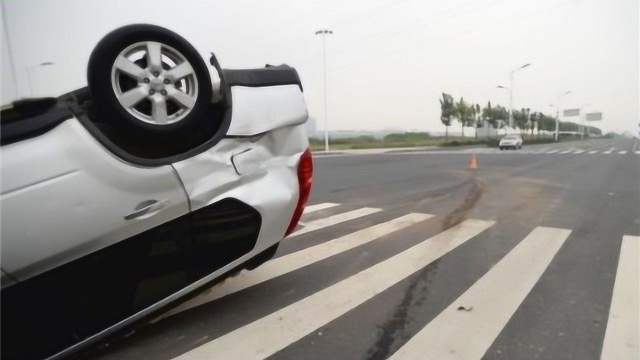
149 79
501 148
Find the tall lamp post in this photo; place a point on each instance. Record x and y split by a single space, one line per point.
324 34
511 92
30 69
558 112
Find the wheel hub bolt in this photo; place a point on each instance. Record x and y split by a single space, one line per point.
151 92
166 81
163 92
145 80
156 74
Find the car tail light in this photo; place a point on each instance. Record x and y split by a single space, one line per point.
305 179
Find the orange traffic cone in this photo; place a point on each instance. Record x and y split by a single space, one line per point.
473 164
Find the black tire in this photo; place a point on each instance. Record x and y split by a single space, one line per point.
101 63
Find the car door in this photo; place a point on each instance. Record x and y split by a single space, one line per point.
65 196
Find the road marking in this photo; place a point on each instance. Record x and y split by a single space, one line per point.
552 151
593 152
609 151
638 152
334 220
488 304
274 332
566 151
297 260
318 207
579 151
621 336
622 152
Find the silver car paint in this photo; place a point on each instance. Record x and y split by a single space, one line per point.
63 195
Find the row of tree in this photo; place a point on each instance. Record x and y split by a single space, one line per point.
497 116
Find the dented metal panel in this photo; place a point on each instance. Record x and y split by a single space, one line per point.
260 171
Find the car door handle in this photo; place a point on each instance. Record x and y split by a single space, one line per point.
145 208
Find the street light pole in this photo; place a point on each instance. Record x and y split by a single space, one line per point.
324 34
30 69
511 92
558 113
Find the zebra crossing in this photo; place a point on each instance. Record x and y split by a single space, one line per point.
487 305
528 151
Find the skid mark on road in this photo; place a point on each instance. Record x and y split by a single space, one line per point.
459 214
393 333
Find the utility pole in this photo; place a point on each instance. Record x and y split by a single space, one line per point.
558 113
511 92
324 34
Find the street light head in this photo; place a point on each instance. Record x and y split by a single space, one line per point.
46 63
525 65
503 87
319 32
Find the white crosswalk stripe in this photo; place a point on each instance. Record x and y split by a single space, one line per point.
491 302
524 151
621 336
300 259
638 152
318 207
334 220
465 329
274 332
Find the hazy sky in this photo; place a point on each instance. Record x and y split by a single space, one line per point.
388 60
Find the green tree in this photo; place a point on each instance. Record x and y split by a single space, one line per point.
448 112
477 117
499 115
472 115
535 119
488 115
520 118
463 114
546 123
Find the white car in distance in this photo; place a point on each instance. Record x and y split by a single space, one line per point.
511 141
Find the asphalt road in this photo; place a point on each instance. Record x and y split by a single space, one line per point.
515 260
